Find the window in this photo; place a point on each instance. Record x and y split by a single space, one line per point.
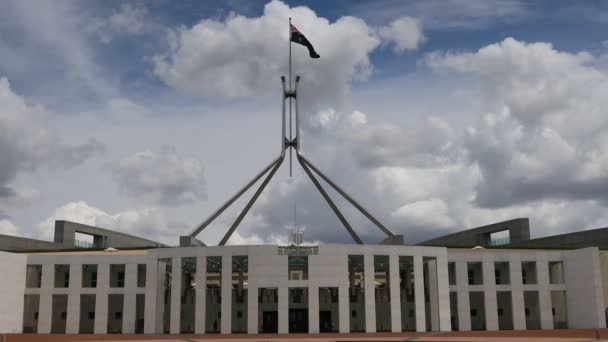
298 267
528 272
117 275
33 277
474 272
89 276
91 315
556 272
62 276
452 273
141 275
502 274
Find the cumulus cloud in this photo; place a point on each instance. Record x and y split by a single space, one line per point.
542 128
129 19
148 223
244 56
8 228
27 144
405 33
163 177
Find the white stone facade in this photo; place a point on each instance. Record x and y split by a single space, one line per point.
567 289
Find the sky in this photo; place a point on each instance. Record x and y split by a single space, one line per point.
437 116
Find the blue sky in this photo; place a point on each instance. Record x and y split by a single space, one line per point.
439 115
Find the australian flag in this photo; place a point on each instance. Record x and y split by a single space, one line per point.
298 37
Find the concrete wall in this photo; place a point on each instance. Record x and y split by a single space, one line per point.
584 297
519 230
12 270
16 243
328 268
65 232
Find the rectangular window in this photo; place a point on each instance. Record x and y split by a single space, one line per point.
406 289
356 280
117 275
298 267
382 293
33 276
452 273
188 295
556 272
31 305
298 310
141 275
89 276
329 319
115 308
475 273
87 314
502 274
268 308
528 272
477 305
62 276
240 285
213 305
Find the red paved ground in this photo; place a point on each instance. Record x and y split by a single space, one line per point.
590 334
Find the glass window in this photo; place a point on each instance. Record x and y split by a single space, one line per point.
556 272
89 276
240 285
406 289
356 279
452 273
117 275
188 295
502 274
382 293
33 276
213 306
298 267
528 272
141 275
475 273
62 276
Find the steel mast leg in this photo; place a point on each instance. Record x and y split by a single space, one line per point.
251 202
349 199
345 223
224 206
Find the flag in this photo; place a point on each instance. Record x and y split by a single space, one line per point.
298 37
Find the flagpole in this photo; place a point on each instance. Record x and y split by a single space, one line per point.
290 116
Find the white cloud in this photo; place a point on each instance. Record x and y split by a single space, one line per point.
543 123
405 33
129 19
148 223
27 144
242 56
8 228
163 177
432 213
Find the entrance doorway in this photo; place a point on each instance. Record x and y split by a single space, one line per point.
298 321
270 321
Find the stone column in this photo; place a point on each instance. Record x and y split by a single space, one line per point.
489 289
45 311
283 308
370 293
73 319
419 294
393 263
517 293
101 299
151 295
443 285
344 309
544 295
201 295
464 304
252 310
313 309
226 327
176 295
130 299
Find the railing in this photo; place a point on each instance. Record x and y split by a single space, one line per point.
500 241
84 244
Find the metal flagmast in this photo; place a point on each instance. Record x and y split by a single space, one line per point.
289 88
291 142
